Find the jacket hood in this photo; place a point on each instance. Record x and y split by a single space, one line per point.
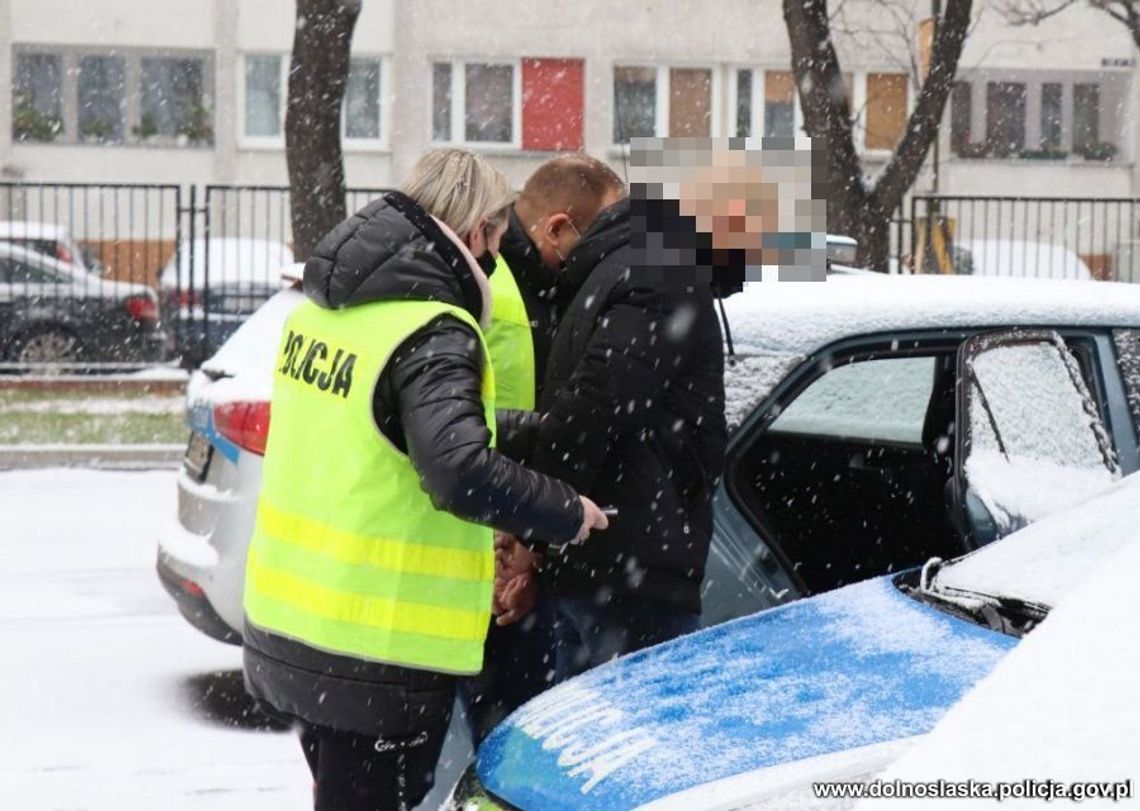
393 250
608 232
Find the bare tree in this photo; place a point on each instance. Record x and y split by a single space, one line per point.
858 207
318 76
1032 12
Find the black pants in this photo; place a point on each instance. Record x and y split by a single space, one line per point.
518 664
355 772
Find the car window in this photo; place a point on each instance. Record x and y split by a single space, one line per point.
875 400
1031 399
1034 442
16 272
1128 358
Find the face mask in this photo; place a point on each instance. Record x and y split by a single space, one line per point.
487 262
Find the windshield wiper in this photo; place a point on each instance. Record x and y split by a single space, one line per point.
1006 615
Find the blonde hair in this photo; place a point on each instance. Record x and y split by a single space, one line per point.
460 188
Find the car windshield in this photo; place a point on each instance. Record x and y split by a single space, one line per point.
1024 575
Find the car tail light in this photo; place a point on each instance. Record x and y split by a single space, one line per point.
187 298
63 254
142 308
246 424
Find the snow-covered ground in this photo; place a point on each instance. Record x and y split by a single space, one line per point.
108 699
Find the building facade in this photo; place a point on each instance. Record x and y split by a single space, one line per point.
134 91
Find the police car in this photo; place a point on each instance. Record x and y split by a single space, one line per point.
774 710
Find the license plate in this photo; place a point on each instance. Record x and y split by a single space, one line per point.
199 451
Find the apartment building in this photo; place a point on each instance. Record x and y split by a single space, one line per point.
193 93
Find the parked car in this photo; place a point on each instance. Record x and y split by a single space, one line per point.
1017 257
844 463
54 312
757 713
214 285
48 239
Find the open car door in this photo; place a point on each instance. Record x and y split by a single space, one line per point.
1031 439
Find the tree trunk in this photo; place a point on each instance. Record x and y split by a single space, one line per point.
317 79
854 207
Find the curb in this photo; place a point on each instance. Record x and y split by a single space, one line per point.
98 457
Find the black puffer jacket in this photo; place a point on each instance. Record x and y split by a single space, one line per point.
427 402
633 416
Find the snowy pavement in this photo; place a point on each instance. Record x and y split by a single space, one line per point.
109 699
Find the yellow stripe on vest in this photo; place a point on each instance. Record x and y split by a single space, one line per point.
314 600
372 550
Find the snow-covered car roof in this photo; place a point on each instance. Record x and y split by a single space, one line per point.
797 318
233 260
244 363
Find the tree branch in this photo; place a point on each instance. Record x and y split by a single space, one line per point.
923 125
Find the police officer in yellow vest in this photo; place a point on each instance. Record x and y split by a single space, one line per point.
368 587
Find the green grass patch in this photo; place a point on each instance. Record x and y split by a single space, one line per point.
68 418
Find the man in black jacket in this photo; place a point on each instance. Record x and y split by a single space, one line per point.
557 204
632 414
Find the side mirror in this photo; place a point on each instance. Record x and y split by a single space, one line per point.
841 250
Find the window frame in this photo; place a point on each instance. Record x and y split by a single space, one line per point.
458 136
70 57
662 97
277 142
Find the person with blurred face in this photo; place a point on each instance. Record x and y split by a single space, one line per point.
631 413
370 575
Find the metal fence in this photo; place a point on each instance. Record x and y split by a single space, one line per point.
110 275
114 276
1038 237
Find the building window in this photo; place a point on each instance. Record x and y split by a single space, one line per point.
475 102
779 104
101 94
743 103
690 102
441 101
961 115
263 101
173 103
487 119
1005 118
635 103
1086 117
885 110
362 100
662 101
37 98
1052 116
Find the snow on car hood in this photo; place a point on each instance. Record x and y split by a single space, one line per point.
799 318
1045 560
1063 706
856 667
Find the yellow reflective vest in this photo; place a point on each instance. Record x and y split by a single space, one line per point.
510 342
348 553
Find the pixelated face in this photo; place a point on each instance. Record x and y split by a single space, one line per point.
762 203
731 201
